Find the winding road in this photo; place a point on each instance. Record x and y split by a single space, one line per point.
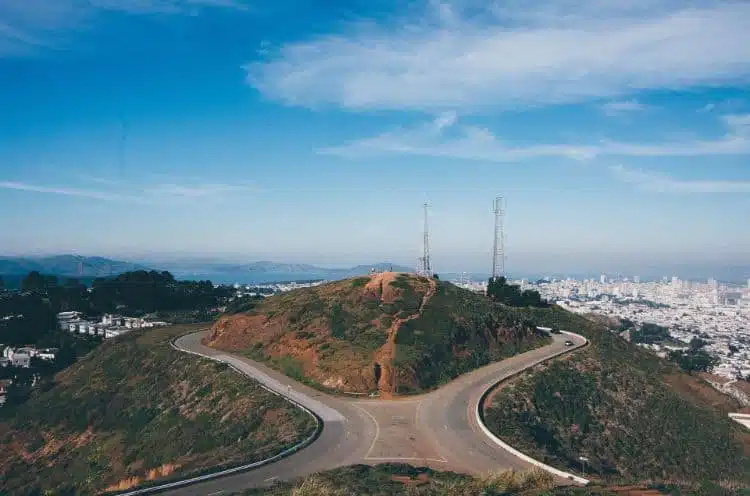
439 429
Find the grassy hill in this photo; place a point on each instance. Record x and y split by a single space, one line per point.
634 416
390 332
135 409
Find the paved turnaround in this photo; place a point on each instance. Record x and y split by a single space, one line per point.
438 429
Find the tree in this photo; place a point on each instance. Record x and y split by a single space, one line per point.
435 276
499 290
697 343
2 284
694 360
626 324
733 349
34 281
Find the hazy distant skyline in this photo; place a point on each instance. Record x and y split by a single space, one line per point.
619 134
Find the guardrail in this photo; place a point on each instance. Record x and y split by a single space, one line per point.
242 468
480 420
741 418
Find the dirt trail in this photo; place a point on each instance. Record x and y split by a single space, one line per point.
385 355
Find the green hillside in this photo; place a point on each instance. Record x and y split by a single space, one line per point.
136 409
634 416
390 332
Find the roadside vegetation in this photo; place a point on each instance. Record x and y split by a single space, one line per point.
633 416
405 480
399 479
135 410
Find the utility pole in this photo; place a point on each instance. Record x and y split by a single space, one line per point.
583 460
498 251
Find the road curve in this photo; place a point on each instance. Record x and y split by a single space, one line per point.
438 429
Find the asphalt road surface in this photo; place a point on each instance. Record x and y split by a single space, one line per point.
437 429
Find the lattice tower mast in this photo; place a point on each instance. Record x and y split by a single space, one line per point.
498 252
426 264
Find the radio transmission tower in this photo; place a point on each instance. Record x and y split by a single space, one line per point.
498 252
425 267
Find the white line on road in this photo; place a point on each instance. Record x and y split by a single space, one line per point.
214 494
397 459
268 480
377 429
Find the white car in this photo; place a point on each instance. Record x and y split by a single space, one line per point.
568 343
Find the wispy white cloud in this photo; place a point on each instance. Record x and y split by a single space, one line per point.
730 105
204 190
26 25
626 106
445 137
465 142
117 191
661 183
66 191
527 53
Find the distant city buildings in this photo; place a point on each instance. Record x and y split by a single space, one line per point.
715 312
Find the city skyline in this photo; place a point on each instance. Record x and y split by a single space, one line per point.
619 136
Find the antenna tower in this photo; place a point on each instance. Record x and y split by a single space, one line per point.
425 267
498 251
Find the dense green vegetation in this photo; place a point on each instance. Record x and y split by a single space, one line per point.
635 416
649 334
456 332
137 405
31 312
500 291
693 360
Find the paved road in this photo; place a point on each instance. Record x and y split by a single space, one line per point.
438 429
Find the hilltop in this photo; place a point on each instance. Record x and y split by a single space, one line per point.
636 417
389 332
134 410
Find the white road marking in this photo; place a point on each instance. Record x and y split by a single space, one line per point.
377 429
267 480
403 459
214 494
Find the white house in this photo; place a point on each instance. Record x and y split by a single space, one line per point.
47 354
111 333
20 359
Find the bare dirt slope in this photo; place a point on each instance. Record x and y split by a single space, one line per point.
389 332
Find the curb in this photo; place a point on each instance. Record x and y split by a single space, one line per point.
480 420
242 468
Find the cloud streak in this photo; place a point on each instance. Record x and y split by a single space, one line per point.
513 57
616 108
144 195
445 137
28 25
651 181
65 191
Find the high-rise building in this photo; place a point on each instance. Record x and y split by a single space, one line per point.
637 279
603 278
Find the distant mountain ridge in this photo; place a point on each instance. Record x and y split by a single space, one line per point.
265 266
67 265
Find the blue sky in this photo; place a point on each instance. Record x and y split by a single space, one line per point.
313 131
